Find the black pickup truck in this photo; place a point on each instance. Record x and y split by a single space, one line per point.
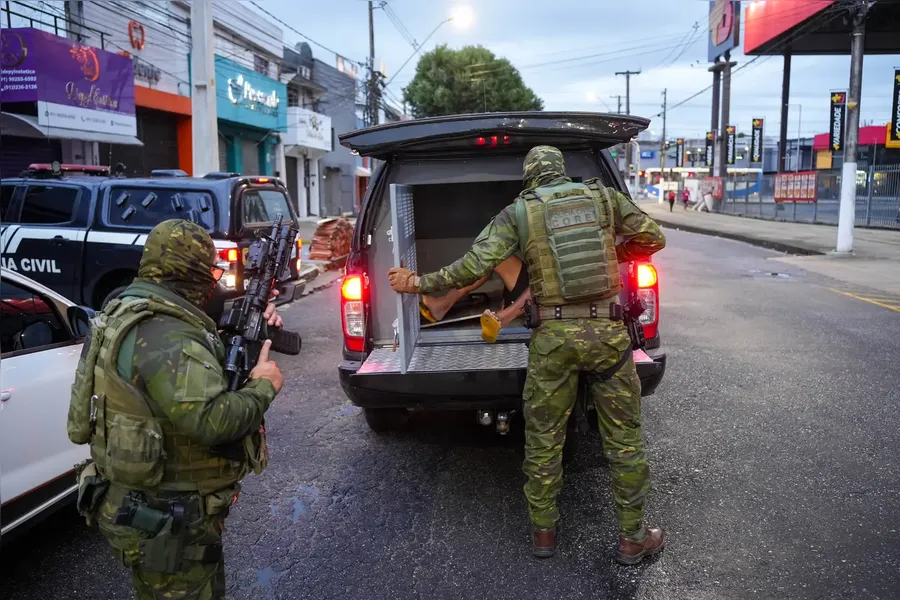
80 230
441 181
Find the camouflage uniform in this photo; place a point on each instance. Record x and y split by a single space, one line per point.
173 360
559 350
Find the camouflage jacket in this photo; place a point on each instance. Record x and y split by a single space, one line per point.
641 237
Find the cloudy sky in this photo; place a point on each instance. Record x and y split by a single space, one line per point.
569 50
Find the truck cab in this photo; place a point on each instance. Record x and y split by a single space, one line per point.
80 230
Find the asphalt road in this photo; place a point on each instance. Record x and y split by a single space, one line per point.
773 443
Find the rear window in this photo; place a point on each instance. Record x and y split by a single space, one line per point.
48 205
264 206
144 208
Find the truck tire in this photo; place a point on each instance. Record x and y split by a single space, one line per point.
382 420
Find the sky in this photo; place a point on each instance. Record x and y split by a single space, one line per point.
585 42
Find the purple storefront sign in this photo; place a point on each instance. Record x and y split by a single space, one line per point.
76 86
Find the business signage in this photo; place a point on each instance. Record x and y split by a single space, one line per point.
75 86
347 66
764 21
709 156
893 136
246 97
645 153
836 121
756 141
796 187
313 130
729 144
679 152
724 27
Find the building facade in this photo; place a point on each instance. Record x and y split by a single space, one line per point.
338 190
62 97
309 136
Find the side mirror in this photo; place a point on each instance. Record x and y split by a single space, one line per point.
80 320
34 335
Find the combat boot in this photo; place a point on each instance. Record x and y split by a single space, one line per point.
544 541
631 552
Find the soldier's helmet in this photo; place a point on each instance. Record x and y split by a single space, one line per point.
180 255
542 163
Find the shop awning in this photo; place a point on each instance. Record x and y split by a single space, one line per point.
27 126
363 172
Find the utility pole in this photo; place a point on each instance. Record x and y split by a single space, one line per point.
628 75
662 147
726 117
785 107
717 88
618 98
847 213
204 127
373 92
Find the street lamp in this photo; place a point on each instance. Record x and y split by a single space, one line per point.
462 15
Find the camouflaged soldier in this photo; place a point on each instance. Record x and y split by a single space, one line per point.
567 232
169 444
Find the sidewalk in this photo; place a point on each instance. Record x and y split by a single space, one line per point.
875 262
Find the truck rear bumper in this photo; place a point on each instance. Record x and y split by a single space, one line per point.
462 389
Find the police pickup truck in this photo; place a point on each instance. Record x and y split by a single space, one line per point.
441 181
80 231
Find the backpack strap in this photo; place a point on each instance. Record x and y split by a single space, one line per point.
600 193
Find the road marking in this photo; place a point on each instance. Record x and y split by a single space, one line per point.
869 300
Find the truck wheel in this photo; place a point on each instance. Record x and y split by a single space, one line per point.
386 419
112 295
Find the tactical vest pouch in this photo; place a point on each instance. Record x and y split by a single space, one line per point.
91 489
164 552
576 242
134 451
218 503
256 447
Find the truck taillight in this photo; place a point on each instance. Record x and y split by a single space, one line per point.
648 291
353 312
226 258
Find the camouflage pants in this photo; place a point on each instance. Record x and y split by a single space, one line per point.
557 352
198 580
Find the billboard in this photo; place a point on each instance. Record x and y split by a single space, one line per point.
679 152
796 187
710 154
764 21
724 27
75 86
730 135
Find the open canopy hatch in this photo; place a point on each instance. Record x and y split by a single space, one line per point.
454 133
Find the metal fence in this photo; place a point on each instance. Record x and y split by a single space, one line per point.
877 198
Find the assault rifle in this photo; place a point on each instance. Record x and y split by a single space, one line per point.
244 327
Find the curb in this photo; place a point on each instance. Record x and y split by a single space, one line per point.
769 244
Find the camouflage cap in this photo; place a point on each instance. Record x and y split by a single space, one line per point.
542 164
179 255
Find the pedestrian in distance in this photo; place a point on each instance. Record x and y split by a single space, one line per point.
671 197
573 266
169 445
686 197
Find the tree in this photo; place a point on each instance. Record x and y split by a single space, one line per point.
469 80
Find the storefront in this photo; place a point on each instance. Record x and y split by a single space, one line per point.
252 119
162 95
61 99
308 139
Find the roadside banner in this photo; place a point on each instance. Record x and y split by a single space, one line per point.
893 137
730 143
710 154
836 125
679 152
756 141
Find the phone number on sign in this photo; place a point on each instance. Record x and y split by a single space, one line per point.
18 78
21 86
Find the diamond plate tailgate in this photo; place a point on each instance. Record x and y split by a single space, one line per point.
456 357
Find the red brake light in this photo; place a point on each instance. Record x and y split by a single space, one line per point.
353 313
352 288
229 254
263 180
480 141
646 275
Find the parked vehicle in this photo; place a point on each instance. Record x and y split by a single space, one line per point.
441 181
41 337
80 231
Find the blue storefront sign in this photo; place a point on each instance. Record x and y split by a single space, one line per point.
246 97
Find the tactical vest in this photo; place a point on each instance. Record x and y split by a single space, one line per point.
134 444
567 237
